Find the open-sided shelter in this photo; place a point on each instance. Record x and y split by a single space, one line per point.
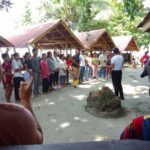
145 24
47 35
126 45
5 43
96 40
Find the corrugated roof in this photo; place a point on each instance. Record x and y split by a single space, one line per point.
5 43
40 35
126 43
96 39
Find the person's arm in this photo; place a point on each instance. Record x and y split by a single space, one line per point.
25 95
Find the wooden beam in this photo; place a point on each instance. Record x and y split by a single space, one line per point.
65 38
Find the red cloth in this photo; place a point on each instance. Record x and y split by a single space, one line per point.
69 62
44 69
138 124
6 68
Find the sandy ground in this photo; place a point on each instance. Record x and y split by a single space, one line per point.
63 118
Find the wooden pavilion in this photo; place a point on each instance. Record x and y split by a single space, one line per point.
5 43
47 35
145 23
96 40
126 45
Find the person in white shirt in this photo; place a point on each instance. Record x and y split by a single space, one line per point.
82 65
57 67
102 66
62 71
17 67
117 64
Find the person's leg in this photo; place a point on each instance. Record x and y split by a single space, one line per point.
17 86
67 76
57 78
114 81
47 85
81 74
86 73
100 72
50 81
38 83
54 79
104 72
61 80
64 79
7 93
43 83
35 78
120 85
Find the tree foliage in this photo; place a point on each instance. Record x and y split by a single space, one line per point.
27 19
5 4
133 7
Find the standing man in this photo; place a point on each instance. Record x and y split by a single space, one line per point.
117 64
35 65
82 65
102 69
18 76
51 66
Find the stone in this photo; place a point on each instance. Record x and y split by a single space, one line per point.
103 103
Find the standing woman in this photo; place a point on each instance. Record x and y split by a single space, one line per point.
44 73
18 76
95 62
7 76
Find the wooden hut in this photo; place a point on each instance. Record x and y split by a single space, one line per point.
145 23
96 40
126 45
5 43
47 35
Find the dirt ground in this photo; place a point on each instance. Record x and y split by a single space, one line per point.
63 118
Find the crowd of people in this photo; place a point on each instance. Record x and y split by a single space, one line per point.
53 69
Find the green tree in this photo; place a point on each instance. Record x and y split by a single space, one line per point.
78 14
5 4
133 7
27 19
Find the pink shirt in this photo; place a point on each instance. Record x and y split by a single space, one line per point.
44 69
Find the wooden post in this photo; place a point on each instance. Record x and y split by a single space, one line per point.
14 50
29 49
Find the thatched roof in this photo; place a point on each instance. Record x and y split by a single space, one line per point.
47 35
5 43
96 40
145 24
126 43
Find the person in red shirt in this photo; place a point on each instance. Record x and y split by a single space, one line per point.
45 72
18 125
7 76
